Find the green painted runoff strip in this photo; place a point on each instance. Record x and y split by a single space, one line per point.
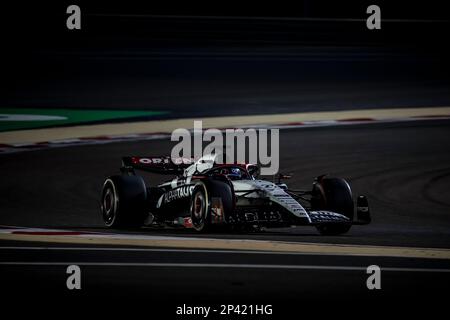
18 118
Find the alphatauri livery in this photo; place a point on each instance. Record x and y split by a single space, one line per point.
206 195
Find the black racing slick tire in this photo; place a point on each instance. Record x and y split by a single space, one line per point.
204 217
123 201
200 216
333 194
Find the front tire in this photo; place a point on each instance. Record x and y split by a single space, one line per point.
123 201
200 217
207 197
333 194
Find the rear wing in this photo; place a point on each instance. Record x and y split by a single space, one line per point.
160 165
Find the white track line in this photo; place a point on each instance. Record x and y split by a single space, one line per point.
218 265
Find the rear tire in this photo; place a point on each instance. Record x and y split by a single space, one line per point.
333 194
123 201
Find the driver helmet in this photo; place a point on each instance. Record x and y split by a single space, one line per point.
235 173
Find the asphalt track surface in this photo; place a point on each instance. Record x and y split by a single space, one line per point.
163 280
403 168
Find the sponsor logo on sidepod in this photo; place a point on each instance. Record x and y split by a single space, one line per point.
179 193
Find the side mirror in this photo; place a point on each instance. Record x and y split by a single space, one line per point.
281 176
283 186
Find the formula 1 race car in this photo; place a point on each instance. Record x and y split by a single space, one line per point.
205 195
